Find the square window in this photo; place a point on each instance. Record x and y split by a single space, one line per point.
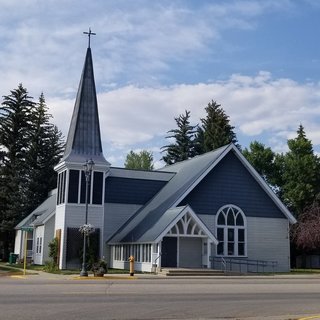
241 249
230 248
220 234
220 248
241 235
230 234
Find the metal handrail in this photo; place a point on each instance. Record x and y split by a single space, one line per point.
154 264
229 263
158 257
224 264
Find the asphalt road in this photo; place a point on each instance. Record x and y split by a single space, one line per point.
58 297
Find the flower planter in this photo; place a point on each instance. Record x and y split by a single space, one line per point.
98 275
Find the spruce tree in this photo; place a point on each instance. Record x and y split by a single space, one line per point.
15 127
30 147
183 147
216 127
44 152
199 147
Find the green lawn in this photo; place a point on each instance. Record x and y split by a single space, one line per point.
306 271
15 268
6 269
18 266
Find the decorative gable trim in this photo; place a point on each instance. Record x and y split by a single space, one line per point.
187 224
186 227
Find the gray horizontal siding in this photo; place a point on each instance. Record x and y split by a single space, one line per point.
268 239
115 215
231 183
131 191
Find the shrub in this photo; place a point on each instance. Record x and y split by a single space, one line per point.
50 266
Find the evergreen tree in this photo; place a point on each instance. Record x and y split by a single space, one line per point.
15 127
44 152
199 147
142 160
301 173
183 147
30 147
216 127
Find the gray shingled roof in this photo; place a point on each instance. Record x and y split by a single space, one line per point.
84 140
41 213
148 222
148 217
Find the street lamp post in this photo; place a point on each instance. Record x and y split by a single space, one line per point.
88 167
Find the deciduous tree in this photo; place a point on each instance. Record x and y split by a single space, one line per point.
267 163
142 160
306 233
301 173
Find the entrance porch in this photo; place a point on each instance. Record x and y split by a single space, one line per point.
187 244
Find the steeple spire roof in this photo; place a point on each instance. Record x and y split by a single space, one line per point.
84 139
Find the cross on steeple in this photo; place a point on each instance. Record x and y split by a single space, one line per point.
89 35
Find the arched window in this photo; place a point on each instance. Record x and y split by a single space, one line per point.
231 227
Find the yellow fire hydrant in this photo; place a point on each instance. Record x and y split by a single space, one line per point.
131 260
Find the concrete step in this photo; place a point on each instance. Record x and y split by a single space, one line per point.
191 272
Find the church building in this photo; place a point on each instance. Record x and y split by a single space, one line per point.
212 206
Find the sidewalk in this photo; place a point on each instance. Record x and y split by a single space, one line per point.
18 272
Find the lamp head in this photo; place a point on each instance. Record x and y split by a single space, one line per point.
88 166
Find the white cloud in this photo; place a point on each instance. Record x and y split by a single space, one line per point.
137 42
138 118
142 52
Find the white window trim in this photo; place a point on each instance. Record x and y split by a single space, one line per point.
225 232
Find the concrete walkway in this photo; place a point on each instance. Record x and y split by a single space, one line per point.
125 276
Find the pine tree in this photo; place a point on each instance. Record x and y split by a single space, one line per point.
216 127
183 147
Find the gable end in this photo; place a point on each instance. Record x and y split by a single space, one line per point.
231 182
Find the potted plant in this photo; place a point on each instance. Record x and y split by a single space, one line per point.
99 268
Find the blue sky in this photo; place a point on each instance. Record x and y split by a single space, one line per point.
154 59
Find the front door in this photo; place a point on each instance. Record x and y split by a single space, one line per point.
190 252
169 252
